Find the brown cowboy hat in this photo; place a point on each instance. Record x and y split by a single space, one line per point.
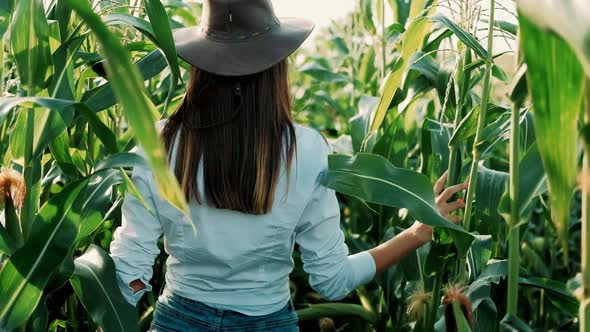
240 37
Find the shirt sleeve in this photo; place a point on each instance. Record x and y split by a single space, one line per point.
333 273
134 246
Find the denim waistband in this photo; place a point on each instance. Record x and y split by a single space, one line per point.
166 292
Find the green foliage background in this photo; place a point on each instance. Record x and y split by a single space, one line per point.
84 82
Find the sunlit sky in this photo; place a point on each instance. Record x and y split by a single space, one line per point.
322 12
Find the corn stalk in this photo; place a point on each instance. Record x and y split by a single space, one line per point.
513 228
480 123
585 302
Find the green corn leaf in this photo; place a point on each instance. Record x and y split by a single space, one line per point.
555 79
95 284
104 133
316 311
491 184
10 237
401 10
556 292
512 323
367 15
359 124
467 38
505 26
411 42
121 159
367 67
28 270
97 198
133 191
12 224
462 325
135 22
29 43
5 11
323 74
62 85
38 320
569 19
103 97
493 273
163 33
435 147
51 121
531 184
60 151
374 179
138 109
417 8
158 30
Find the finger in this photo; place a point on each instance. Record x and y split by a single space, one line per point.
440 183
452 190
451 207
453 219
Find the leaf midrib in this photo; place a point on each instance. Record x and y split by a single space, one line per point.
106 295
397 186
20 287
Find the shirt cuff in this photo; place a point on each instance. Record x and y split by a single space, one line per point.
128 292
363 267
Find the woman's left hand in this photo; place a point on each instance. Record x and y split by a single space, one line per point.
446 208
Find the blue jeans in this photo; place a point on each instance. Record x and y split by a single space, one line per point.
177 313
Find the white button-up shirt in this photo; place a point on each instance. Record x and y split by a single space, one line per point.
238 261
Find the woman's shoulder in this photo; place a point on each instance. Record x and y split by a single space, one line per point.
312 149
312 138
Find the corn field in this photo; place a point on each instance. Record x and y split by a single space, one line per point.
401 100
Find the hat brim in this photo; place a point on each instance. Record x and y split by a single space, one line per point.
243 57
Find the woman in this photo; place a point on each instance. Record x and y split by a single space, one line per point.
251 177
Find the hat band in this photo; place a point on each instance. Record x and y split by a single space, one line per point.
225 37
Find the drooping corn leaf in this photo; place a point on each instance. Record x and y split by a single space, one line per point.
95 284
51 120
26 273
467 38
555 80
569 19
138 109
374 179
555 292
29 43
121 159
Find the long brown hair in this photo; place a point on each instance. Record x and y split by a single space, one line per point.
242 130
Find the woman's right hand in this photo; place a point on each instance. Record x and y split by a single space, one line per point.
443 196
424 232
